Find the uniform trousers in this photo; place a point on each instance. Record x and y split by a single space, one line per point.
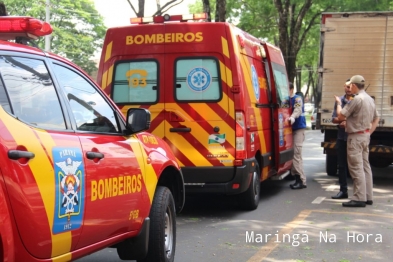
359 166
297 163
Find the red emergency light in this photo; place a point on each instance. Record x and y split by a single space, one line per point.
168 18
17 26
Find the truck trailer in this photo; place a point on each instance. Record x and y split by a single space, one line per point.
356 43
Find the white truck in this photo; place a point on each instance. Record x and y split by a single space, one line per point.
356 43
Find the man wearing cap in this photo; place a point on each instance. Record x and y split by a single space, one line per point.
361 120
341 144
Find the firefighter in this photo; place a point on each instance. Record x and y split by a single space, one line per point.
298 122
362 118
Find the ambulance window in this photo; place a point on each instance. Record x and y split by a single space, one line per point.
32 94
281 82
91 111
136 82
197 80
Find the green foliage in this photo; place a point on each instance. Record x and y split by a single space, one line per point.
260 18
197 7
78 29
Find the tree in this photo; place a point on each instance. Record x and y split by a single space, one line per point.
78 29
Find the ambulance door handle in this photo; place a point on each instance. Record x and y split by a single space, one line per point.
94 155
178 85
180 129
18 154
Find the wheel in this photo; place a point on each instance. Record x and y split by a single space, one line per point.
380 162
250 198
331 165
162 235
313 127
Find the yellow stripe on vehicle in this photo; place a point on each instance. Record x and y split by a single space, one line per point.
108 51
225 49
148 173
43 171
61 243
103 80
226 74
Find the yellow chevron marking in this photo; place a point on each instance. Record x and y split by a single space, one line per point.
148 174
225 49
197 129
186 148
108 51
159 130
43 172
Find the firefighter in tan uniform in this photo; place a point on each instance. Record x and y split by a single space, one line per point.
362 119
298 122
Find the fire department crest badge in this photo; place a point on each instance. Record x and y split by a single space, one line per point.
69 180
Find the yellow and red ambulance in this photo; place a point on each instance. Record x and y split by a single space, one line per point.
218 96
76 176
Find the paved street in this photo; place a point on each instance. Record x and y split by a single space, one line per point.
302 225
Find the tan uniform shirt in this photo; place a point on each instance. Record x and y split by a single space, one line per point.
360 112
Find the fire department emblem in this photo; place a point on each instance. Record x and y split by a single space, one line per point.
69 177
199 79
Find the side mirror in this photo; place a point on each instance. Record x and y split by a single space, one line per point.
138 120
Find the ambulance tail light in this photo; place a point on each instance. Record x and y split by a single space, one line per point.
240 137
18 26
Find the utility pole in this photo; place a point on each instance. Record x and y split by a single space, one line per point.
47 37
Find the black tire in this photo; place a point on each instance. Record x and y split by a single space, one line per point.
162 235
313 127
331 165
380 162
250 198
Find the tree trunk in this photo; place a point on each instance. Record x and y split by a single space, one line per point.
141 6
206 9
289 26
220 10
158 7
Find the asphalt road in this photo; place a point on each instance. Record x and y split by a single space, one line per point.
289 225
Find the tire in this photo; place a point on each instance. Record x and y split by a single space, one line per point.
331 165
162 235
313 127
380 162
250 198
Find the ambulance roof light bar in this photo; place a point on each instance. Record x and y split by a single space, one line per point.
23 26
168 18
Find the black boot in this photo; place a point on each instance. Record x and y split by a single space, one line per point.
299 184
297 179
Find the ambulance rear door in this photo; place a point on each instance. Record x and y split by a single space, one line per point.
199 108
282 132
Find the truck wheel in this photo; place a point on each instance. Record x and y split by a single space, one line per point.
380 162
250 198
162 235
331 165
